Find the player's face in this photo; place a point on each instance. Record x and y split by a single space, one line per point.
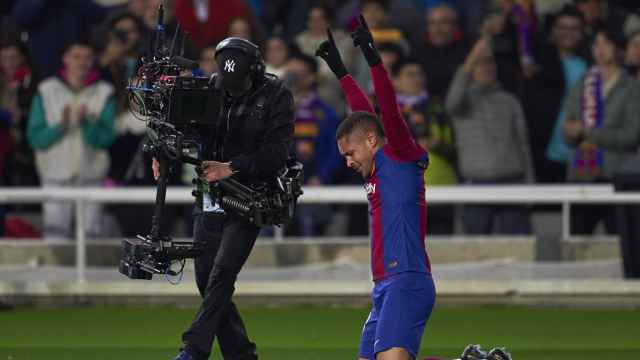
358 150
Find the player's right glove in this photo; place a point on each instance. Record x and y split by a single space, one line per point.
498 354
328 51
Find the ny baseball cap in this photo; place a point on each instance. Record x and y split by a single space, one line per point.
233 70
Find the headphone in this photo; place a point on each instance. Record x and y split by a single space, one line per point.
257 67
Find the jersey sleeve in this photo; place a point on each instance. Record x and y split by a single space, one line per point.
356 98
399 137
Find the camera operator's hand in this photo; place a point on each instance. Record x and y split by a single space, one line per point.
215 171
155 166
328 51
362 38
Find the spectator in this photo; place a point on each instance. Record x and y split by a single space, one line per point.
70 125
472 15
243 28
430 125
118 64
492 140
138 8
559 65
444 49
6 144
207 62
51 25
375 13
511 33
632 55
9 30
123 42
276 55
314 139
600 13
147 10
319 20
208 21
390 54
603 127
16 90
240 27
285 17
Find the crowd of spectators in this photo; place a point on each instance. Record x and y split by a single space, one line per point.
498 92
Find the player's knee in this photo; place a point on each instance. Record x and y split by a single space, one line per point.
395 353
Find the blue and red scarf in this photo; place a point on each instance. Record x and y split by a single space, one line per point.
523 12
588 158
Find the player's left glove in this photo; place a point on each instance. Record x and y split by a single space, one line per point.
498 354
362 38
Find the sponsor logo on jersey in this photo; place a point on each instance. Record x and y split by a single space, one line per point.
370 188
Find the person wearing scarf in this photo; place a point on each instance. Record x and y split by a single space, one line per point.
432 130
602 127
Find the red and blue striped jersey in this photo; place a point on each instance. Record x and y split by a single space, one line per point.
396 187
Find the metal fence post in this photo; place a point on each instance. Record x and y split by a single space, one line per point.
278 233
81 249
566 220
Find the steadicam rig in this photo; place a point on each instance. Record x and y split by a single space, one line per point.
178 111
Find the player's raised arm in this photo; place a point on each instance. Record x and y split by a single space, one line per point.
356 98
396 130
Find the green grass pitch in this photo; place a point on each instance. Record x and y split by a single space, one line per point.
314 333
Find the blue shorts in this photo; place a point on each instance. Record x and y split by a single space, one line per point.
402 304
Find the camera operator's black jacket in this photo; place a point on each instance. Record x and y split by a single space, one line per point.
254 131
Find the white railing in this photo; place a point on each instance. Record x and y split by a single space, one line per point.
564 195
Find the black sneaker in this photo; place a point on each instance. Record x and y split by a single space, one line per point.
498 354
473 352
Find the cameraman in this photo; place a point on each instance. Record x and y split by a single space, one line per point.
251 142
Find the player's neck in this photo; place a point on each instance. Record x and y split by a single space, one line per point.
379 145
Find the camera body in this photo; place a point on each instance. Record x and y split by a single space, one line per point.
143 257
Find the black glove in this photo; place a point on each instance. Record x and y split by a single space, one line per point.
362 38
328 51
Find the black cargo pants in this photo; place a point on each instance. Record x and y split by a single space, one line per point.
228 241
